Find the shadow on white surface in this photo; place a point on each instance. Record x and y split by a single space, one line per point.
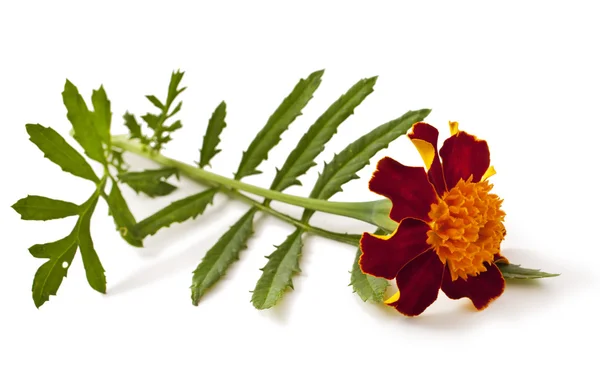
192 241
521 298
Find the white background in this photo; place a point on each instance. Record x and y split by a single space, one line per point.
523 76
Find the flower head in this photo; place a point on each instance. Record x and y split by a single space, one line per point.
450 225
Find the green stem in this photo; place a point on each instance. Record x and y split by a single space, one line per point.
374 212
351 239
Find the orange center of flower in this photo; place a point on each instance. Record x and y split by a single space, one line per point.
466 228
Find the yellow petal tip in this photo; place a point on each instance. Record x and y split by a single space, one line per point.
426 151
491 171
394 298
453 127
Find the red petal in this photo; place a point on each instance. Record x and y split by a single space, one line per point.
464 155
481 289
419 283
384 256
407 187
428 133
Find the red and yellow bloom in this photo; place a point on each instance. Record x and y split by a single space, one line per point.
450 225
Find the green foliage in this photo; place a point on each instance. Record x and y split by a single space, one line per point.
84 122
301 159
102 115
135 129
366 286
52 249
176 78
60 253
178 211
278 272
49 276
150 182
91 262
57 150
122 216
34 207
91 129
211 137
157 121
269 136
218 259
344 166
514 271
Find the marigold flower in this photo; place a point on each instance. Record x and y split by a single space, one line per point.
450 225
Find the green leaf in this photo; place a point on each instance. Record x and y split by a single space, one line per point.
135 130
313 142
60 152
269 136
277 274
176 77
302 159
368 287
83 123
34 207
102 114
173 127
357 155
150 182
152 188
91 262
211 137
122 216
177 211
514 271
49 275
152 120
176 110
51 249
218 259
156 102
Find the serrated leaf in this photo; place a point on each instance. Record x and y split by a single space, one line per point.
514 271
94 271
277 274
102 114
150 182
218 259
135 130
173 127
60 152
176 78
269 136
152 120
175 110
51 249
211 137
82 120
357 155
178 211
34 207
152 188
148 175
122 216
49 275
313 142
155 101
368 287
310 146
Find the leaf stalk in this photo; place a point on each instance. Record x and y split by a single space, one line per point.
372 212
